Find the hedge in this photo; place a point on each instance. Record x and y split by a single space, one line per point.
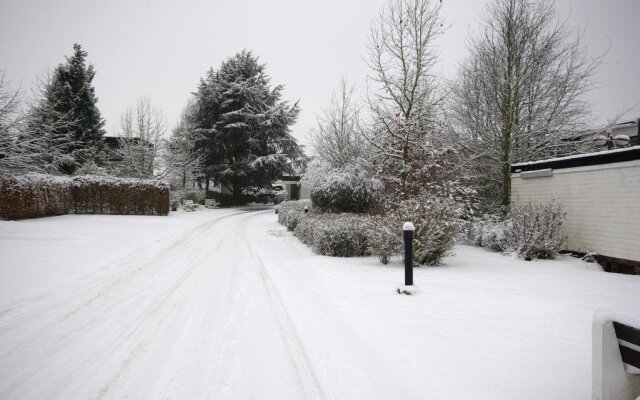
37 195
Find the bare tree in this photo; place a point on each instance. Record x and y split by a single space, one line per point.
405 96
10 120
520 94
181 158
141 133
338 140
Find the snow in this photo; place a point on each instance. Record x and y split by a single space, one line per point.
226 304
621 150
408 226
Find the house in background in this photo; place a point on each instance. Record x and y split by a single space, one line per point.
294 187
112 149
629 128
599 192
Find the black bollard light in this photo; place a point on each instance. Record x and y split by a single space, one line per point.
408 229
306 209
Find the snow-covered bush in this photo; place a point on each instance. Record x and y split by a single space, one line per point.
289 218
297 205
110 195
534 230
38 195
289 212
336 235
349 189
263 195
485 232
34 195
434 219
383 236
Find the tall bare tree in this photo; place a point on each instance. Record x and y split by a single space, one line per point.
404 97
10 119
338 140
142 129
182 160
520 94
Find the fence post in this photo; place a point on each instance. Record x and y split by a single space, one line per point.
408 229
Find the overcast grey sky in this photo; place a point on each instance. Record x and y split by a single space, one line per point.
162 48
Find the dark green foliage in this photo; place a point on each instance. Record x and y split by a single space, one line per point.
67 113
243 126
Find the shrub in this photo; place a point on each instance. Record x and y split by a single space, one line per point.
297 205
37 195
336 235
485 232
264 195
435 225
34 195
383 237
352 189
110 195
534 230
289 218
289 212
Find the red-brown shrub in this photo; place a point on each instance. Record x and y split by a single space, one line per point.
34 195
37 195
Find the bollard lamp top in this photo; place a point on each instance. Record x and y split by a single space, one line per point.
408 226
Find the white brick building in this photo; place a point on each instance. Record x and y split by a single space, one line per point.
600 192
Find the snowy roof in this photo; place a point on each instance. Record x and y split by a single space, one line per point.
580 160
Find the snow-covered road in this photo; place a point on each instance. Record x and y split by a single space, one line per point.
225 304
197 317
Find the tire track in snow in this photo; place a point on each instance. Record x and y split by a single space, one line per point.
153 320
299 358
101 287
58 339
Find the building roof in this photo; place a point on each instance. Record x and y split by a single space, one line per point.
581 160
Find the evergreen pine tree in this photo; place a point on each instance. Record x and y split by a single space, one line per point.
244 126
69 95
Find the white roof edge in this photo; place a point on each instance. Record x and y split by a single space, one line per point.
575 156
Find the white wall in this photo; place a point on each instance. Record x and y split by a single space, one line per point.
602 203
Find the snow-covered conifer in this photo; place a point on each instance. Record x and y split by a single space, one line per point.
68 110
244 126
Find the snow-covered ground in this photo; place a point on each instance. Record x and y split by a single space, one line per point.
225 304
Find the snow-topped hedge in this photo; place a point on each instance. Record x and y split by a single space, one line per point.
337 235
34 195
110 195
289 212
351 189
38 195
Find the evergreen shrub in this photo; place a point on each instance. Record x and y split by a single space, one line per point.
336 235
351 189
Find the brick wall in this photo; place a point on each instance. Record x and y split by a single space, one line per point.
602 203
